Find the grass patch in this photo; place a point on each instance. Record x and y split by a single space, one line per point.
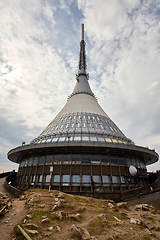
146 238
18 233
81 209
76 235
96 227
2 214
37 201
38 214
67 206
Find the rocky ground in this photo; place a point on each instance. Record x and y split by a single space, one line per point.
43 214
55 215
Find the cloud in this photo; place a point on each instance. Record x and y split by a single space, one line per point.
124 51
36 68
33 74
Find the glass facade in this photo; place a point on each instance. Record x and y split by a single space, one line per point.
77 180
82 159
82 127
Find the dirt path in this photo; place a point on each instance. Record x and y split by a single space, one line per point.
2 189
14 216
152 198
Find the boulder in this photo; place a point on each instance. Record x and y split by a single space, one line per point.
76 216
117 219
143 206
59 215
51 194
58 203
85 234
34 232
58 229
135 221
41 205
31 225
122 204
50 228
47 234
45 220
74 228
82 232
9 204
22 197
148 231
6 221
60 195
110 205
109 201
93 238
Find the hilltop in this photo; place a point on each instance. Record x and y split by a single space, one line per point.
55 215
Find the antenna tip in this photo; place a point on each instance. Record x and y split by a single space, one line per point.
82 31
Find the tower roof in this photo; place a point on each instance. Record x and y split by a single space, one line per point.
82 118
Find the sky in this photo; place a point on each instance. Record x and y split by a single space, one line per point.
39 51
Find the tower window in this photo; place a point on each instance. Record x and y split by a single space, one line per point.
40 178
122 179
100 139
106 179
77 138
61 139
65 178
94 139
85 138
33 179
48 178
115 179
54 139
56 178
96 179
86 178
76 178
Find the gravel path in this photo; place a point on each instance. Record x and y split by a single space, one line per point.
14 216
2 189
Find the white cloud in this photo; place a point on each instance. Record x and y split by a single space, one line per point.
104 19
37 69
34 80
125 54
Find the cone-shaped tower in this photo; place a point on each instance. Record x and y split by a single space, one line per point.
82 150
82 118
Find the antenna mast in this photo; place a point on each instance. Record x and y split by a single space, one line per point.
82 31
